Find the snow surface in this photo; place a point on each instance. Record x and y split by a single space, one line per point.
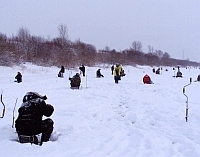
104 119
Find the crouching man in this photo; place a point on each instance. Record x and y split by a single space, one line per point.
29 122
75 81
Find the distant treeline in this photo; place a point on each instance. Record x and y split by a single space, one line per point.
25 47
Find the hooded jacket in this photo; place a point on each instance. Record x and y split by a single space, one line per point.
31 112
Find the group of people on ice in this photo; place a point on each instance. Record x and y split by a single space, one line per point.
30 123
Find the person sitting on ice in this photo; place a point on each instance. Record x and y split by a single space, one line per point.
198 78
158 71
147 79
18 77
75 81
153 70
30 119
62 70
98 73
179 74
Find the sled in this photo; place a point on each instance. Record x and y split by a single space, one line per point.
28 139
75 87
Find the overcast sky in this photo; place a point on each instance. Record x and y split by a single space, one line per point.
172 26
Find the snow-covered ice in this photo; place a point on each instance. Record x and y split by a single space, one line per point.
104 119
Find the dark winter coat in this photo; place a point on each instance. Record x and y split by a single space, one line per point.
82 68
98 73
112 67
179 74
18 77
198 78
158 71
31 112
62 70
75 81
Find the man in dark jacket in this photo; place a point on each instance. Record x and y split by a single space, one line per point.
18 77
82 69
75 81
29 121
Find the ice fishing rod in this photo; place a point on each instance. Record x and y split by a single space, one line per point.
186 117
4 107
14 114
86 81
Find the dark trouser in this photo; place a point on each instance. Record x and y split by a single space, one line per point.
116 78
45 127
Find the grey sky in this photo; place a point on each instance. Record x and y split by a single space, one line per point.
168 25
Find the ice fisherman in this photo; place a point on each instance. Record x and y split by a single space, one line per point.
30 119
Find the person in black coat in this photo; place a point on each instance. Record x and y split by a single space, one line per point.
198 78
82 69
75 81
158 71
112 69
18 77
30 119
99 73
62 70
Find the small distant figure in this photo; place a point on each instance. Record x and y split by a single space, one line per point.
147 79
179 74
158 71
75 81
198 78
18 77
62 70
116 73
154 70
82 69
112 69
99 75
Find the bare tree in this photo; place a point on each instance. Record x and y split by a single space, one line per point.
6 58
150 49
159 53
166 55
23 44
136 46
23 34
63 33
